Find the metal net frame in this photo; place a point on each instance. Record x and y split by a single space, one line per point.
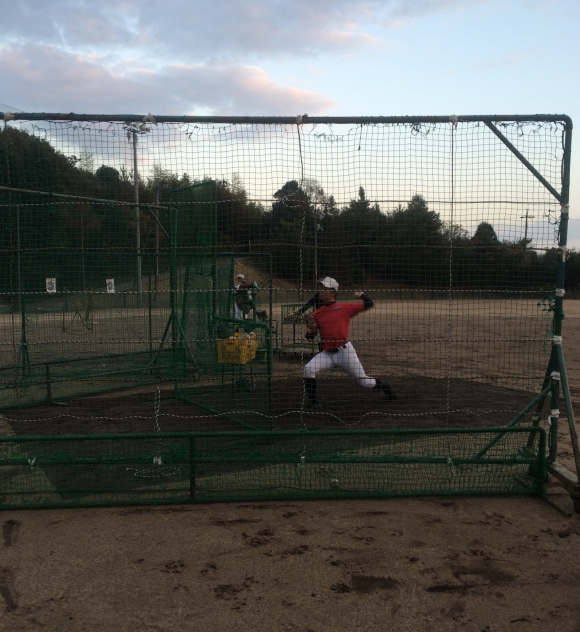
123 238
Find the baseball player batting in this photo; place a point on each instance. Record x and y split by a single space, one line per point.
332 321
313 303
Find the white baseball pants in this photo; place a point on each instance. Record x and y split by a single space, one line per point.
238 313
346 359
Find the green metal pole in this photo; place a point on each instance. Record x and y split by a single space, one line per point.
552 366
515 420
283 120
560 281
569 410
563 234
525 162
553 418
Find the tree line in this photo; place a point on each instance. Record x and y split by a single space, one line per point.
304 229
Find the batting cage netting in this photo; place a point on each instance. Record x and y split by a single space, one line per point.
234 308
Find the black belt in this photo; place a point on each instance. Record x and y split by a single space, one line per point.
337 348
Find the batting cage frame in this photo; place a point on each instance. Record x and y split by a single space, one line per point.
159 275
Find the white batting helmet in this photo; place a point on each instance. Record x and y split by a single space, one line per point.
328 283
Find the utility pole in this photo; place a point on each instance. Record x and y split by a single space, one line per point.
527 216
137 221
23 358
315 245
317 229
133 130
157 244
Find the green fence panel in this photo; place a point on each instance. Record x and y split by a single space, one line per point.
161 468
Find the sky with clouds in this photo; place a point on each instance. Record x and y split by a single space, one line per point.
321 57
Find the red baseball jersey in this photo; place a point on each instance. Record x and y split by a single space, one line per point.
333 322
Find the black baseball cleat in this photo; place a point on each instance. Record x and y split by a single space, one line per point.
387 390
312 404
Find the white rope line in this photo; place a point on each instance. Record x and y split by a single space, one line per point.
113 296
146 341
157 408
159 471
453 120
341 201
63 294
263 415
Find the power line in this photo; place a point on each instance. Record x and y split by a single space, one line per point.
11 107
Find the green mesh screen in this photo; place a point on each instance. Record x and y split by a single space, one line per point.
220 361
73 320
202 467
193 273
121 243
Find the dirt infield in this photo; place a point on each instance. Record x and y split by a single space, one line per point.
482 372
482 564
407 564
422 403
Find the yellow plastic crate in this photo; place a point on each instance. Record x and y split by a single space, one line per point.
237 351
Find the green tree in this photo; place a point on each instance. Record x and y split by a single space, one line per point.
238 219
291 203
360 229
485 235
572 282
110 180
415 245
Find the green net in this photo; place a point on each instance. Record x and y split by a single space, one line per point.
160 278
203 467
222 349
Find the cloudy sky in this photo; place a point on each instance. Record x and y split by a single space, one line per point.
323 57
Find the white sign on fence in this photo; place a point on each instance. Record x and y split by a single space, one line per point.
110 286
51 286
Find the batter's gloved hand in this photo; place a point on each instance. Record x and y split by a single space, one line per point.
295 317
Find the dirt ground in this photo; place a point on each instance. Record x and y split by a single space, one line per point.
408 564
496 362
421 403
402 564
